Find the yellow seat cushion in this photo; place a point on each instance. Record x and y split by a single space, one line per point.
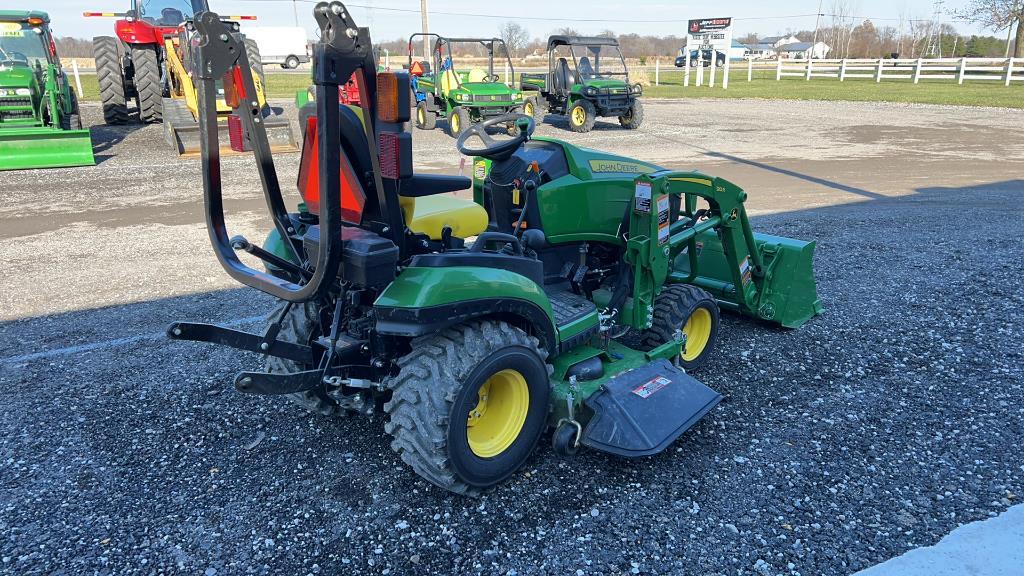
432 213
477 75
448 81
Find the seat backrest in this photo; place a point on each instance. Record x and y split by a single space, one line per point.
477 75
586 69
563 76
448 81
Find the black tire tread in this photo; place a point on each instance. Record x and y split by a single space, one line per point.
635 119
252 53
298 327
424 391
110 78
430 118
147 83
671 309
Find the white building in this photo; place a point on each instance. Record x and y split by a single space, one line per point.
803 50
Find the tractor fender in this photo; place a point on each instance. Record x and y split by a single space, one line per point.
425 300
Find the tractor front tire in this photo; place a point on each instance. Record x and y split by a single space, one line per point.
469 404
691 310
72 120
425 119
147 83
110 78
634 117
458 121
301 326
582 116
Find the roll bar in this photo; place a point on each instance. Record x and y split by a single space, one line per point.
343 49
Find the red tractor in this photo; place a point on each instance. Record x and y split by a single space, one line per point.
131 66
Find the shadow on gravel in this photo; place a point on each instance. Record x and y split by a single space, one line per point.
795 174
105 137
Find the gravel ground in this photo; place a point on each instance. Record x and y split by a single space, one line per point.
878 427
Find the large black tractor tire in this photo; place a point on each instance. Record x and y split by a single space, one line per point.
252 52
532 108
582 116
458 121
146 61
72 120
469 404
634 117
425 119
110 77
690 309
301 325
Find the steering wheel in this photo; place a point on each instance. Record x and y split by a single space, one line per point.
497 149
13 56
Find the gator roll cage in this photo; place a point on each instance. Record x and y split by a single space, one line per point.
343 50
488 43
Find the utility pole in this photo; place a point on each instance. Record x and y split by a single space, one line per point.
295 11
935 38
425 30
817 21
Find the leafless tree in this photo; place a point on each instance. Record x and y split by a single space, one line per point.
515 36
998 15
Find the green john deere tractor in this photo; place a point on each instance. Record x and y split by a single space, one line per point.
40 126
586 78
574 292
463 97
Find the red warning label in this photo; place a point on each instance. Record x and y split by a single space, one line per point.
651 386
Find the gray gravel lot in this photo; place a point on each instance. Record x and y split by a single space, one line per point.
878 427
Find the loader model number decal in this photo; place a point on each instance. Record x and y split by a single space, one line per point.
480 170
643 197
745 271
647 389
663 223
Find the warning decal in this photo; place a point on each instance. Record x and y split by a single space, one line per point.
643 197
651 386
663 223
745 271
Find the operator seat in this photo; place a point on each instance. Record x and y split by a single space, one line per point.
586 69
563 76
170 17
449 81
428 214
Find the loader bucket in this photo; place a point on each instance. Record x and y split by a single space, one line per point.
181 132
25 148
788 293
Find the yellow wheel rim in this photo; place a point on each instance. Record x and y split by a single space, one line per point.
528 109
455 123
421 116
498 417
698 333
579 116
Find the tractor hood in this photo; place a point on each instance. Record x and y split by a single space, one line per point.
605 83
488 88
17 77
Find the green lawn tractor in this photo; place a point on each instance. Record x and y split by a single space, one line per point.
40 125
586 78
464 97
574 293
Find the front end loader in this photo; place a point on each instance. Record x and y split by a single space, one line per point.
576 291
40 125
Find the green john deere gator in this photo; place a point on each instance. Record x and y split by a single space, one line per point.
587 78
574 292
464 97
40 125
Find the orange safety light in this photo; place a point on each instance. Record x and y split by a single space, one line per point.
35 21
234 87
352 196
387 97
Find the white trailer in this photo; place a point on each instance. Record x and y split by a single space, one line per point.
284 45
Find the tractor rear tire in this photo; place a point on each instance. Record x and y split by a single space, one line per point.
458 121
425 119
634 117
252 52
301 326
690 309
443 423
110 78
148 84
582 116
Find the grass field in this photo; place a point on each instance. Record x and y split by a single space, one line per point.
764 85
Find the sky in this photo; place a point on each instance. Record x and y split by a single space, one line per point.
390 19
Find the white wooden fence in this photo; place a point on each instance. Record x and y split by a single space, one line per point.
1005 70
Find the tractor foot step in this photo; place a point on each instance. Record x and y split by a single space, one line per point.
642 411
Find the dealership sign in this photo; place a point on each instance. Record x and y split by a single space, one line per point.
709 24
